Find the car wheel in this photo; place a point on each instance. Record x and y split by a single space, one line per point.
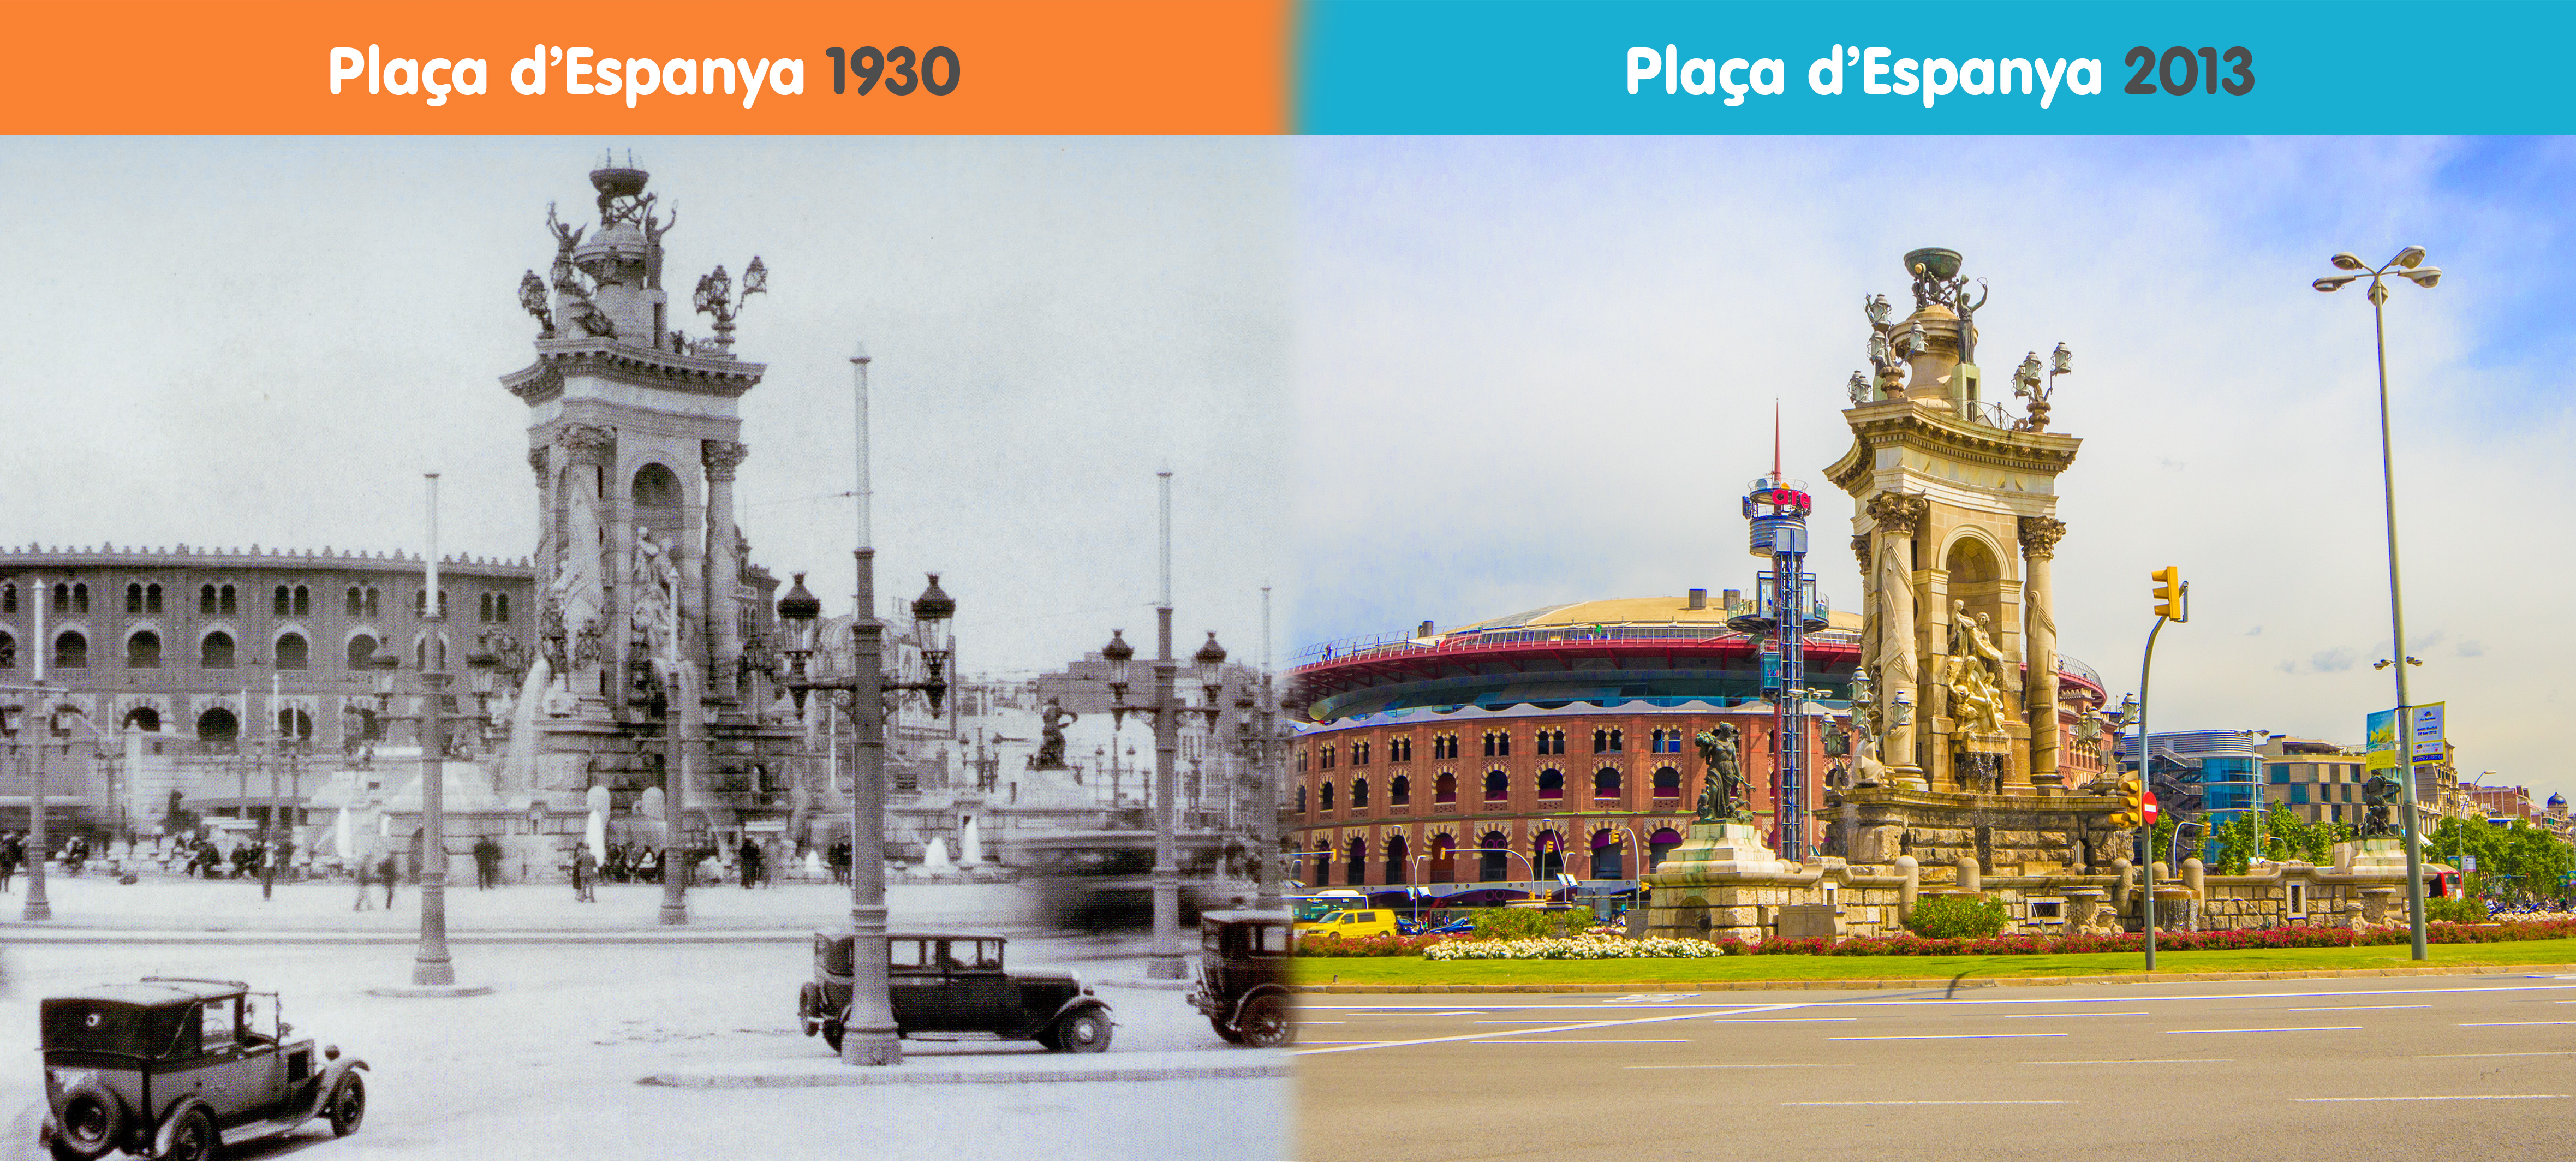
832 1035
348 1104
1230 1033
194 1140
88 1127
1082 1031
1265 1022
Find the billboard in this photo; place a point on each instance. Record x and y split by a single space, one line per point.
2380 740
2424 732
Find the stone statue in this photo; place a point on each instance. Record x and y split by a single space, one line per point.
656 619
1976 700
1722 792
2380 794
1052 722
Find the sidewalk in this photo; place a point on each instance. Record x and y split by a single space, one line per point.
85 907
929 1063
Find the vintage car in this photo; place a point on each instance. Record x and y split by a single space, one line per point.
949 983
174 1067
1243 977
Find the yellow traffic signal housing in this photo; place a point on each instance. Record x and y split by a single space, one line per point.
2133 805
2168 592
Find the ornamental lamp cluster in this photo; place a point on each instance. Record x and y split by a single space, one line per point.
800 613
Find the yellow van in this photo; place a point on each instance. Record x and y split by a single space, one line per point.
1351 924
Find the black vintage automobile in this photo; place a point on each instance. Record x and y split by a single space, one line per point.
1243 977
950 983
181 1068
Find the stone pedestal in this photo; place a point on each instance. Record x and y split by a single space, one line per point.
1722 881
2382 855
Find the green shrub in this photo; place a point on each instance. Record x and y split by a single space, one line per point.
2457 910
1530 923
1957 917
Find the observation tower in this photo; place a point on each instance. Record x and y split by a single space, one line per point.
1787 606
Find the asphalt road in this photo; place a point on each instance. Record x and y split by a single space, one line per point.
2471 1067
547 1065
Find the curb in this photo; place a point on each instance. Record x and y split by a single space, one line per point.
1945 982
899 1076
32 935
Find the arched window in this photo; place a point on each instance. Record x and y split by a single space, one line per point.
1551 784
1321 866
293 653
1355 867
1668 783
71 651
134 597
226 602
1399 791
8 652
216 651
1301 798
1444 788
1605 783
1324 795
152 598
1359 794
1660 844
218 725
283 605
206 600
1493 863
362 652
80 598
143 717
1443 865
303 601
500 607
1607 851
8 599
143 651
375 603
294 723
62 598
485 613
357 602
420 653
1550 852
1395 861
1498 787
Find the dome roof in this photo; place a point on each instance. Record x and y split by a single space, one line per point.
1628 611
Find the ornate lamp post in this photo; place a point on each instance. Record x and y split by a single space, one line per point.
868 1030
714 296
2408 265
1167 710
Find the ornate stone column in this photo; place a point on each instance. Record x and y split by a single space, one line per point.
724 622
586 449
1897 517
2039 644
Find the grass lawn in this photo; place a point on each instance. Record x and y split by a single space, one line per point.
1413 970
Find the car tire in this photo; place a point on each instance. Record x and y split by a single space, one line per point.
348 1105
1232 1035
89 1125
832 1034
194 1138
1265 1023
1082 1031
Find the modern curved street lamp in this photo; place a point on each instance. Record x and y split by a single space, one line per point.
2408 265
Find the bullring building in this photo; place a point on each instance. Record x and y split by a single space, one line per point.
1558 740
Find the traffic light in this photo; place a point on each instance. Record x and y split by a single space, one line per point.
2168 592
2133 806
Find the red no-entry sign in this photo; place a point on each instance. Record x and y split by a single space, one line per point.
2148 800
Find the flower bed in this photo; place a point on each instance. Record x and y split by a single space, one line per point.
2233 939
1331 945
1594 947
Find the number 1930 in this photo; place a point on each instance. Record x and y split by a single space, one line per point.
934 72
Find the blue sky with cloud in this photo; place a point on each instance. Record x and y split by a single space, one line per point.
1533 371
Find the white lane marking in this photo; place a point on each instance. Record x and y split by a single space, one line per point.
2134 999
2440 1056
2024 1102
1773 1020
1577 1027
1626 1041
1940 1037
2045 1016
2490 1024
1781 1065
2288 1029
1307 1021
2351 1008
2447 1097
1523 1021
2142 1061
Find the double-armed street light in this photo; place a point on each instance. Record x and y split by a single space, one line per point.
2408 265
1166 708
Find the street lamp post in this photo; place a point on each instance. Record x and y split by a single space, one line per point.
2408 265
431 967
1166 709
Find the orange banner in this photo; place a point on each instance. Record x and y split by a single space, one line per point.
645 66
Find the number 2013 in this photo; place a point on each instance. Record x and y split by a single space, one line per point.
935 71
2179 70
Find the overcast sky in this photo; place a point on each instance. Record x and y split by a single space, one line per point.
236 342
1542 371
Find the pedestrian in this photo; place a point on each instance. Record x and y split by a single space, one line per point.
366 883
585 869
841 861
385 872
614 869
750 856
487 862
10 854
